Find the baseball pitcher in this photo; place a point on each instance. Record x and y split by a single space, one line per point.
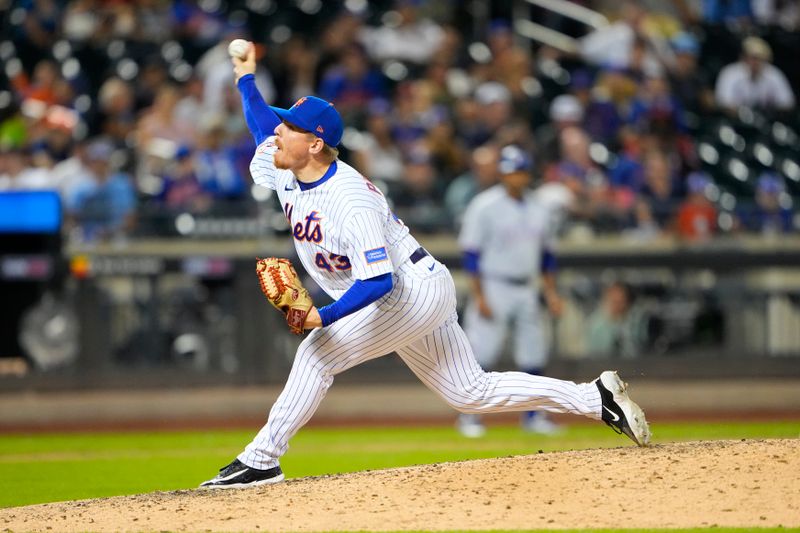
390 294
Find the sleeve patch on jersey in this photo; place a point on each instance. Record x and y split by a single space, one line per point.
376 255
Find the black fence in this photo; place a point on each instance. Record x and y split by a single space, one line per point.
189 312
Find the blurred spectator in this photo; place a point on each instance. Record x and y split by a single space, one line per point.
616 328
565 111
437 74
559 199
730 12
468 124
18 173
116 113
642 63
80 20
481 175
44 84
198 26
783 13
182 190
494 107
696 219
326 50
217 161
753 81
613 91
406 36
451 50
190 104
580 86
655 206
57 142
659 197
103 204
39 28
69 173
296 75
160 121
772 213
155 21
377 155
510 63
445 147
149 81
415 113
516 131
352 82
596 201
655 109
419 199
690 83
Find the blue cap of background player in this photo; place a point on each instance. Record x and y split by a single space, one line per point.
770 183
698 181
316 116
685 43
514 159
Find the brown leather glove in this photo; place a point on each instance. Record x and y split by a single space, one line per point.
281 285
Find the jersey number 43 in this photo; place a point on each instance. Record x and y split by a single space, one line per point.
333 262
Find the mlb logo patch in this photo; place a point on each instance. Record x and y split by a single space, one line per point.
376 255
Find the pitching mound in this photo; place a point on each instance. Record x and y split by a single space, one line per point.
724 483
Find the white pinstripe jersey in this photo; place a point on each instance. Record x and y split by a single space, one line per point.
343 229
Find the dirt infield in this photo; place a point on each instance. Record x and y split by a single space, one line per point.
694 484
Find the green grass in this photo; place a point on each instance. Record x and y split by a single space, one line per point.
687 530
55 467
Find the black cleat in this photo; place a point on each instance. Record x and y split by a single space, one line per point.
239 475
619 411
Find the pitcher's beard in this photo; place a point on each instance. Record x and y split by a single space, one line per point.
279 161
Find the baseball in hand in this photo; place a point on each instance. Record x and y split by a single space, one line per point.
238 48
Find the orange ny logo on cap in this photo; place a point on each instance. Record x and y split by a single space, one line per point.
300 101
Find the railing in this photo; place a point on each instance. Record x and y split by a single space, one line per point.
542 34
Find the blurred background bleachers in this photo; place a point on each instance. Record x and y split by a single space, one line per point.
665 136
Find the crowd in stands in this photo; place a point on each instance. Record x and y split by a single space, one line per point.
675 118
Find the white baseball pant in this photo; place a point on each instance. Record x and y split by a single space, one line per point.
417 319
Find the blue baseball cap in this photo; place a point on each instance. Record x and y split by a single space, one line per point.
698 181
770 183
316 116
513 159
685 42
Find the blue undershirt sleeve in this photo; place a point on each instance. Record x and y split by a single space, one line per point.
471 262
549 263
261 120
360 295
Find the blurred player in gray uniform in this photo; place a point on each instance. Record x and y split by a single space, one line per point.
506 239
